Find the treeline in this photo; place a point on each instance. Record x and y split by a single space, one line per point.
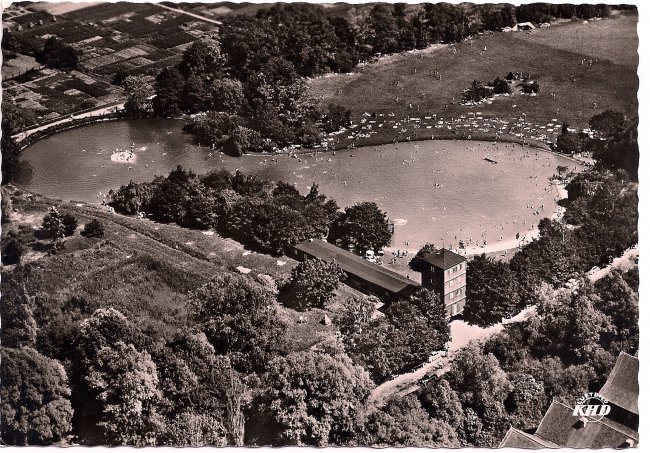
265 216
254 75
614 146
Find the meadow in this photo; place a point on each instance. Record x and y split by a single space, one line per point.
571 89
145 269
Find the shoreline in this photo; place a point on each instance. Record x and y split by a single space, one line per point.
117 115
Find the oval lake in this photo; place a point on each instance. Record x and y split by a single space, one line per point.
434 191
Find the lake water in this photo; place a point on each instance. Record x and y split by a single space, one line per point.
433 191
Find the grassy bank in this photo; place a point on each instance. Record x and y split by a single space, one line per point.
143 268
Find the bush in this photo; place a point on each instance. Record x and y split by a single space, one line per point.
93 229
501 86
12 251
530 87
69 224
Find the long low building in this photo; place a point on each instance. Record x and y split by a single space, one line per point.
359 273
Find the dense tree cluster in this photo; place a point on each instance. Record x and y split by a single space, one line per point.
57 54
312 284
409 333
479 91
260 214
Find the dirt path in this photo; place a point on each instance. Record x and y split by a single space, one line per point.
196 16
462 334
97 112
622 262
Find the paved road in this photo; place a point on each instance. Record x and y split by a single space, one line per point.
187 13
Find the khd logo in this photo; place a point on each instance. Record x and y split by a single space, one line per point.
592 406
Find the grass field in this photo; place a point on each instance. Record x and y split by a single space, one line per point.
402 84
614 39
145 269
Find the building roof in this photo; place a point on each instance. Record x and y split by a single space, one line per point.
561 427
622 386
519 439
525 24
444 258
355 265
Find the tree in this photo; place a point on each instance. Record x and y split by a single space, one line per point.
362 227
306 411
227 95
202 58
501 86
53 226
57 54
93 229
416 264
569 143
402 422
240 319
527 401
356 314
620 303
33 398
620 151
189 429
312 284
481 385
140 92
336 117
441 402
607 123
125 383
570 327
431 309
12 250
477 378
134 197
492 291
69 223
19 328
168 87
530 87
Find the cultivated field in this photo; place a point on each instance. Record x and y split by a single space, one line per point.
111 38
570 90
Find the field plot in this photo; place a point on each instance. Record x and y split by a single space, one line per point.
111 38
